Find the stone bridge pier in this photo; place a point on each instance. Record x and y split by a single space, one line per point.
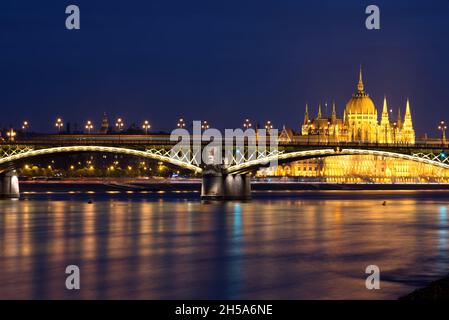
9 185
218 185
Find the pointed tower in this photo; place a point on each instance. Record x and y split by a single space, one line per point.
360 86
319 111
334 113
408 133
305 128
384 128
306 115
408 115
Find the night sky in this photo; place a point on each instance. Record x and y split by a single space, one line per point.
220 61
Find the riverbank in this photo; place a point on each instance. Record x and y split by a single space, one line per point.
437 290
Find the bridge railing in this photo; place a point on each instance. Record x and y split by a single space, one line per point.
164 139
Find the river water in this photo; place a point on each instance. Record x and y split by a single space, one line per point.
296 245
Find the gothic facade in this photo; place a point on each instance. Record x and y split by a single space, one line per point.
360 122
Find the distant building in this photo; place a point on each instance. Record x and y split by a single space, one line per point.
286 135
360 122
104 124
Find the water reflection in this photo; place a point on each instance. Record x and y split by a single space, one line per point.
315 245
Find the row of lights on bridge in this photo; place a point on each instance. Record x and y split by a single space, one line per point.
59 124
119 124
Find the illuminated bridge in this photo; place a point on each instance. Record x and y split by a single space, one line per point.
228 181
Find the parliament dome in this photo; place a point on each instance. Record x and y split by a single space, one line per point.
360 102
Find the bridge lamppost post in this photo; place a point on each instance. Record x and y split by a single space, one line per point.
11 134
247 124
59 124
89 126
205 125
181 123
442 127
146 125
268 127
119 125
25 126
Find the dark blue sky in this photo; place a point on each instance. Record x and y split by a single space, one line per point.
218 60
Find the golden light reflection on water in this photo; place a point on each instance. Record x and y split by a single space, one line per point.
312 246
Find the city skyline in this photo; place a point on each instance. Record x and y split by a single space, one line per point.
319 123
249 59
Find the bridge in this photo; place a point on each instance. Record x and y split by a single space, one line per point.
228 181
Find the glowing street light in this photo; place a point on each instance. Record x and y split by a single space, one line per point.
11 134
442 127
205 125
181 123
119 124
25 126
89 126
146 125
247 124
59 124
268 126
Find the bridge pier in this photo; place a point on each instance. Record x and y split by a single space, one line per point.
9 185
217 185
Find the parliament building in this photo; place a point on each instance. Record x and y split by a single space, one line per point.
360 122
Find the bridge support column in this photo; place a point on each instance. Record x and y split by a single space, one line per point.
9 185
217 185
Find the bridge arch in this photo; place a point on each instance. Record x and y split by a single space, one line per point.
7 160
302 155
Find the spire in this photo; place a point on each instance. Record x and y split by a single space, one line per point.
409 132
385 107
407 109
319 111
306 115
408 116
334 113
360 86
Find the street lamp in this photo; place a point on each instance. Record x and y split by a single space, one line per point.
146 125
247 124
119 124
59 124
268 126
25 126
89 126
181 123
205 125
11 134
442 127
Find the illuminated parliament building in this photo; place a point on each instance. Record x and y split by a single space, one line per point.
360 123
